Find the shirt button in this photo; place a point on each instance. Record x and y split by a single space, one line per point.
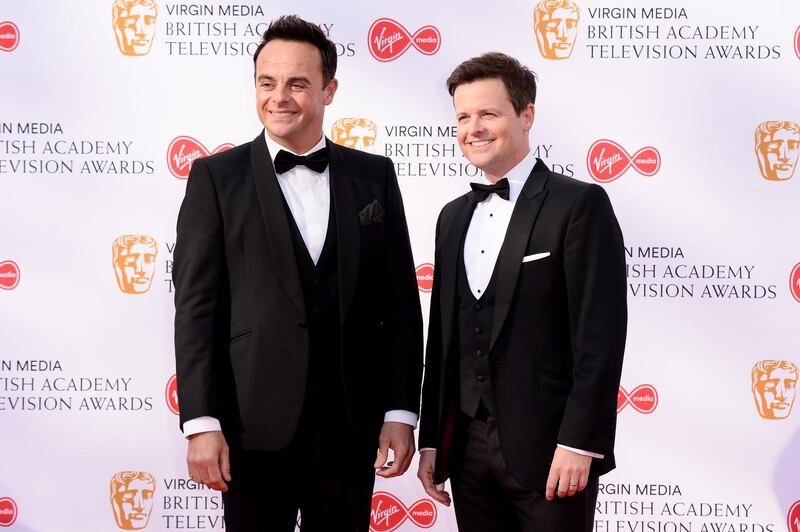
490 215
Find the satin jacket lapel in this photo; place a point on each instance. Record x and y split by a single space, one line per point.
509 260
451 239
275 221
347 228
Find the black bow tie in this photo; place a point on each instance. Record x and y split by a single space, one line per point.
482 191
317 161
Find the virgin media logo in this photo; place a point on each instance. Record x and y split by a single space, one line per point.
8 511
9 36
388 513
9 275
794 282
797 42
182 152
171 395
643 399
425 277
607 160
793 519
388 40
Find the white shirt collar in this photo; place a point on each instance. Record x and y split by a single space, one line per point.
518 175
274 147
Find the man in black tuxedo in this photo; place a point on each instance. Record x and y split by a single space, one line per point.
298 331
527 325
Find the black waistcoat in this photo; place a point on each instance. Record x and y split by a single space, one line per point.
320 284
474 334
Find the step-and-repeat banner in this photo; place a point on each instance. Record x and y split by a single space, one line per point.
686 112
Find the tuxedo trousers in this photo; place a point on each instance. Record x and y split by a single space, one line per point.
323 473
486 496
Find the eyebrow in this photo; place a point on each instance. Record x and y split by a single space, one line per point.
290 80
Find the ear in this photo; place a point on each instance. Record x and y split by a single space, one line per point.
527 115
329 91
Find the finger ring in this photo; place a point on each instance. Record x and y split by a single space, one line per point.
572 485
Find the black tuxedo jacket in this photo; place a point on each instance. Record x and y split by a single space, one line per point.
241 336
558 331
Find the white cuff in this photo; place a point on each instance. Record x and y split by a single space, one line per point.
200 424
400 416
427 449
580 451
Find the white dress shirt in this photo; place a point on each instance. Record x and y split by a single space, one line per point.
308 195
482 244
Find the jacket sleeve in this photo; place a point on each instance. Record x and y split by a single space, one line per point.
200 283
594 264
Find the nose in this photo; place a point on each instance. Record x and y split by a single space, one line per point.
474 126
783 152
140 27
139 264
561 33
138 506
780 392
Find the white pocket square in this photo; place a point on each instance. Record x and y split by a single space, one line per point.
535 256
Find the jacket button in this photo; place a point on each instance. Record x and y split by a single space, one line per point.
302 324
481 378
480 352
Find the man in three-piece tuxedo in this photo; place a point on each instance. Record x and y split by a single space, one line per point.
298 333
527 325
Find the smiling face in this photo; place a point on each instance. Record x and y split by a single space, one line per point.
290 93
491 134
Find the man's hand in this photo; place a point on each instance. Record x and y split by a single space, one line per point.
209 460
427 461
569 473
400 438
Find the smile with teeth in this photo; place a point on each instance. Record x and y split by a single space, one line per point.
282 114
481 143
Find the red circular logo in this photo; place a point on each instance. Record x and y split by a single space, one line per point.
643 399
9 36
794 282
425 277
387 40
607 160
171 395
8 511
793 519
9 275
182 152
797 42
388 513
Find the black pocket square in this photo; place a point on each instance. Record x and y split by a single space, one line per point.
371 214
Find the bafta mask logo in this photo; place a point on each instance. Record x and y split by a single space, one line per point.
356 133
134 260
425 277
9 275
132 498
774 387
134 23
555 23
171 395
8 511
9 36
777 148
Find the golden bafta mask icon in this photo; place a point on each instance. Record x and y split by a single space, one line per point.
555 23
134 260
777 148
134 24
774 387
357 133
132 498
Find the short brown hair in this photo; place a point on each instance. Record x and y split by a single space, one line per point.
293 28
519 81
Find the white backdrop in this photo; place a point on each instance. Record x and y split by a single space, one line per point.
90 150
